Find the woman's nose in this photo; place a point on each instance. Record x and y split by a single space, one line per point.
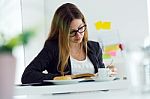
78 34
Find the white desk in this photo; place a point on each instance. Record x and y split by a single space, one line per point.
111 94
88 90
79 87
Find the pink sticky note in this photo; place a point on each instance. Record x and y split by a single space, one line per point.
112 53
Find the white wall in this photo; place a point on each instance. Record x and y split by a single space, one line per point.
33 18
128 17
148 8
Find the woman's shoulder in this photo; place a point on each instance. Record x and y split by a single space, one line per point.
51 43
92 43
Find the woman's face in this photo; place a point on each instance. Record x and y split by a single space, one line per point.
77 28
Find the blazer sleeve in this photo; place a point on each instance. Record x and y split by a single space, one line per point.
33 72
99 56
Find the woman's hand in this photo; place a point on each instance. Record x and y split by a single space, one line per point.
113 70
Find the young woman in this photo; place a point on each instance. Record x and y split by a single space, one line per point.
67 50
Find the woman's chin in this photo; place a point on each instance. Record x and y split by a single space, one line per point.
78 41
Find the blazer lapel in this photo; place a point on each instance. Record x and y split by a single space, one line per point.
93 59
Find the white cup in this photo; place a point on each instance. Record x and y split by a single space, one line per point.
103 73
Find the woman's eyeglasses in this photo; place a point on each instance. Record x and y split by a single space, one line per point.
80 30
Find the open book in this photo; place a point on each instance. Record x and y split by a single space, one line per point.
85 75
76 76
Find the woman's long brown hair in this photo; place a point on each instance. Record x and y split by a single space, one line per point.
60 30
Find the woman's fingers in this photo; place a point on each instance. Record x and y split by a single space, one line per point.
113 70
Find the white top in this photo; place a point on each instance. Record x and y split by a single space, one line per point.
80 67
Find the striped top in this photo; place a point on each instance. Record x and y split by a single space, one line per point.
80 67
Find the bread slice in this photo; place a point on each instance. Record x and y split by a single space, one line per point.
76 76
85 75
62 78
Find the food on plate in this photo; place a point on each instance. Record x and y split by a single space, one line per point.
76 76
62 78
85 75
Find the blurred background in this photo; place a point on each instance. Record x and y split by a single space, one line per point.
118 25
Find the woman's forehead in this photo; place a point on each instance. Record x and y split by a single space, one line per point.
76 23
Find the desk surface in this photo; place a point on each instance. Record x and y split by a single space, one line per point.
89 90
111 94
79 87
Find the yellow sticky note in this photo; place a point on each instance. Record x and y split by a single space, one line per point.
103 25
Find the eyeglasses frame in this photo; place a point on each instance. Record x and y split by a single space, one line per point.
77 31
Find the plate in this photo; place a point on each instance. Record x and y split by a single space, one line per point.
102 80
64 82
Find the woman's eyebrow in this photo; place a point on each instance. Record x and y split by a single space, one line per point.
78 27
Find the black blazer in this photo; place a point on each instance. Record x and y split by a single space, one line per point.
47 59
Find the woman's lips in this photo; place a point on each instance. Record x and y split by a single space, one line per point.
77 39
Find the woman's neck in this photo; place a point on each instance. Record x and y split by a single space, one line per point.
77 52
75 47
